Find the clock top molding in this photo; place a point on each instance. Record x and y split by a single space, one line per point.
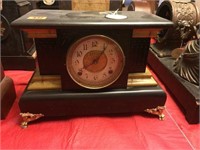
58 19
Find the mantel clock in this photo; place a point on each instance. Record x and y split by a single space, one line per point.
87 60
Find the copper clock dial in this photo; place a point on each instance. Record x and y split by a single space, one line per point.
95 61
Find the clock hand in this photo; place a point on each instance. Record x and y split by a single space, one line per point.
95 60
102 52
105 47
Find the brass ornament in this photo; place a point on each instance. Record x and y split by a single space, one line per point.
157 111
184 15
177 52
28 117
187 64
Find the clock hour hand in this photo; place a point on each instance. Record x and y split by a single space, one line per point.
105 46
96 59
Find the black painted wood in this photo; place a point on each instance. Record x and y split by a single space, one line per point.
87 20
58 103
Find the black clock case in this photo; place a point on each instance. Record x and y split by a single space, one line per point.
52 54
16 48
60 31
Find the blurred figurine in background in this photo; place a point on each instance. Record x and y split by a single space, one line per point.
185 14
0 4
187 64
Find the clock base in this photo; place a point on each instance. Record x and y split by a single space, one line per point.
53 102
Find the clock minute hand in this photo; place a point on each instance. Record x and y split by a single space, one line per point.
95 60
102 52
105 47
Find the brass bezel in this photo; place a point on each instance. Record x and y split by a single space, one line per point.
87 85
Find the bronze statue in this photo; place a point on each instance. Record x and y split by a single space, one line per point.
187 64
184 15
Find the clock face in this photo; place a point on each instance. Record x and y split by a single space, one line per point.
95 61
48 2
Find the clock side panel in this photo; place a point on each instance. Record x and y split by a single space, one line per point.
49 56
138 54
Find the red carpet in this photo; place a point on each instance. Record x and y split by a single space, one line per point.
125 132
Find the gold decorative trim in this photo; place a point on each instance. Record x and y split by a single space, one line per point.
144 33
44 82
157 111
141 79
28 117
41 33
37 17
